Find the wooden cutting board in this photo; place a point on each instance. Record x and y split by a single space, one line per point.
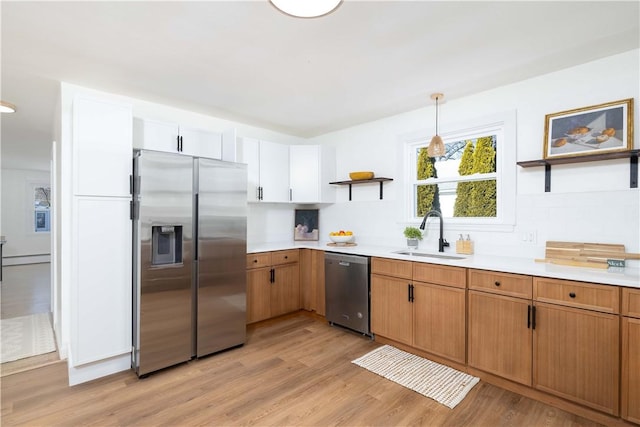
590 253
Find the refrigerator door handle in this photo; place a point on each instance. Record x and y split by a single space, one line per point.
195 227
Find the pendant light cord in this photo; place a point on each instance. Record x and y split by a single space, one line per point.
437 114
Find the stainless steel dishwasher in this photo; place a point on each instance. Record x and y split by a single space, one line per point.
347 291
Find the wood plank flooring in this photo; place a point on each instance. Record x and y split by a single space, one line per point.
26 289
293 371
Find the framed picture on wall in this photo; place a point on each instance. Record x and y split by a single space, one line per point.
602 128
306 225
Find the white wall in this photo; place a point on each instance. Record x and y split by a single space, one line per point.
17 214
589 202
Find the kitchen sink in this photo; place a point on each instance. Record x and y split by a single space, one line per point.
428 254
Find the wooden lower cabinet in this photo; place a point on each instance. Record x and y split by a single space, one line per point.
500 336
275 289
258 294
391 309
427 316
630 390
312 280
439 320
576 355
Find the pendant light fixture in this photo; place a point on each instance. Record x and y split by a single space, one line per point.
436 147
6 107
306 8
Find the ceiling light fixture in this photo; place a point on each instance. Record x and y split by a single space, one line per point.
436 147
6 107
306 8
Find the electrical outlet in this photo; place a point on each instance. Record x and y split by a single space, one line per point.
529 237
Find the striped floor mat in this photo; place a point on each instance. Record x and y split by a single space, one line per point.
438 382
26 336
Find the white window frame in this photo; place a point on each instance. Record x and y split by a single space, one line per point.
503 125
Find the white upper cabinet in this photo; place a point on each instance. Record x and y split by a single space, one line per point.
311 168
268 170
173 138
102 147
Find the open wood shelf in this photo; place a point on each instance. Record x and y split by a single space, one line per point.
362 181
632 155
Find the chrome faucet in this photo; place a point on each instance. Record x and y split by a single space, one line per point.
441 242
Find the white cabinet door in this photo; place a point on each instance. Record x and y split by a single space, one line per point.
155 135
102 144
101 279
304 170
274 172
201 143
251 156
311 168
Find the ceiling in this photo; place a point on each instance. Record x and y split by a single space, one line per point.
243 60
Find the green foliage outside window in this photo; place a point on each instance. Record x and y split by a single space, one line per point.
483 193
462 206
428 197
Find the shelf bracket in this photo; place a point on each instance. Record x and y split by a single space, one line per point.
633 167
547 178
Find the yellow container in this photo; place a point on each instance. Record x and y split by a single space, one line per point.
359 176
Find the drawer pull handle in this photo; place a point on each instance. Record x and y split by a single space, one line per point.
497 283
572 294
255 260
286 257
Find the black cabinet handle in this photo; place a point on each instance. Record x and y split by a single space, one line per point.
412 288
533 317
286 257
178 143
181 144
272 275
496 283
409 292
572 294
528 316
255 260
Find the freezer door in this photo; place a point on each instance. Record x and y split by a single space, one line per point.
163 260
222 250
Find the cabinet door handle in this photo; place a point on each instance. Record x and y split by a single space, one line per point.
412 287
528 316
181 143
533 317
286 257
409 292
290 194
496 283
178 143
255 260
273 276
572 294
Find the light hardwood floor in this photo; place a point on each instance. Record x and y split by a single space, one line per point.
26 289
292 371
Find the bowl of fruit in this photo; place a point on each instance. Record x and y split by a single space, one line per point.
341 237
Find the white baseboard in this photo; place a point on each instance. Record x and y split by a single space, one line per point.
26 259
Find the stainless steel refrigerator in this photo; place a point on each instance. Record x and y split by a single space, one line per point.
189 250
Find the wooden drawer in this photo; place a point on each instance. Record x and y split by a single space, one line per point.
285 257
577 294
391 267
440 274
631 302
259 260
515 285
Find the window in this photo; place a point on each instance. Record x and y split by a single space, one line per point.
42 204
469 183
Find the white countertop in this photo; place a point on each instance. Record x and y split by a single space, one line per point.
612 276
